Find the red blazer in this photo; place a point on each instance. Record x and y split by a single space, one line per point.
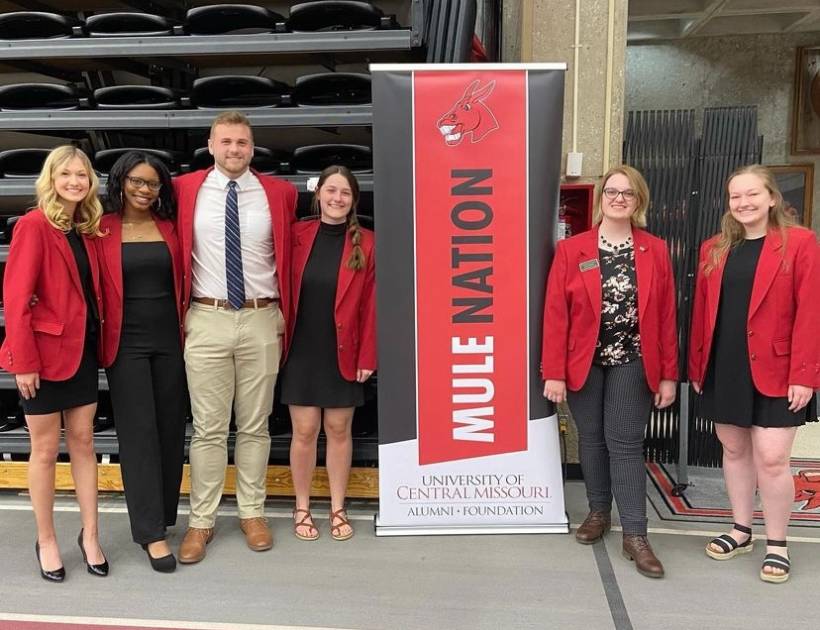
355 310
48 337
110 251
783 327
572 310
282 198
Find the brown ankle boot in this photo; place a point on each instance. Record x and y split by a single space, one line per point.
595 525
637 548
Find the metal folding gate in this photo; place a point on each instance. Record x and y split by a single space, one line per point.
686 176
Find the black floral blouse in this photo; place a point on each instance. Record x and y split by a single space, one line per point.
619 340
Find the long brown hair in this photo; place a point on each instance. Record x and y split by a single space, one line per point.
357 260
87 216
731 230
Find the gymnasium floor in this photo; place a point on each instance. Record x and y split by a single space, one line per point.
471 582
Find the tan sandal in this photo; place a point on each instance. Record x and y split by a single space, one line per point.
340 516
307 521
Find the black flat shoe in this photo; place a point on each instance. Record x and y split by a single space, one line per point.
100 570
58 575
165 564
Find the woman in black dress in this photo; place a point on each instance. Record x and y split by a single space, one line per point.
142 348
333 342
754 356
51 344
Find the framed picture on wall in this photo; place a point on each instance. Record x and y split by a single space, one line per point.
806 108
796 182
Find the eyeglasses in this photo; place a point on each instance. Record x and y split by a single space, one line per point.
612 194
139 182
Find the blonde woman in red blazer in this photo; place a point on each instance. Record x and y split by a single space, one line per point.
51 344
142 345
610 350
754 355
333 350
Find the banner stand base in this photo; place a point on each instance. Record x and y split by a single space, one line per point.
467 530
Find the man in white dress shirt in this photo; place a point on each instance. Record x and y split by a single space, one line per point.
234 232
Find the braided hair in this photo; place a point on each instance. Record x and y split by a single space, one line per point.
357 260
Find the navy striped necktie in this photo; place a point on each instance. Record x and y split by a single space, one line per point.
233 250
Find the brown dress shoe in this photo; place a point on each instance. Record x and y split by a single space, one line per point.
595 525
257 534
637 548
193 544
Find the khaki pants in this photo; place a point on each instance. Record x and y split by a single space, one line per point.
231 358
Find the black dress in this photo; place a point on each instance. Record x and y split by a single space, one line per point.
80 389
148 391
311 375
729 395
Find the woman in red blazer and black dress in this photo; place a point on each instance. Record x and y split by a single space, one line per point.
610 350
51 343
754 355
333 342
142 349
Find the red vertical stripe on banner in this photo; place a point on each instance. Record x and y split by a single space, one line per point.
470 137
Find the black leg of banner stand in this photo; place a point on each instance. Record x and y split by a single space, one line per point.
683 443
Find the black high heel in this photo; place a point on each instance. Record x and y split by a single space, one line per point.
100 570
165 564
58 575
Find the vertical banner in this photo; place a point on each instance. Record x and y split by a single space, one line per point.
467 161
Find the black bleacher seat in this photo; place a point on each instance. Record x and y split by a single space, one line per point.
22 162
231 19
334 15
332 88
128 24
105 158
135 97
266 161
239 92
37 25
24 96
315 158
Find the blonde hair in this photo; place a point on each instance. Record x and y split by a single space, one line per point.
86 219
636 183
731 230
231 118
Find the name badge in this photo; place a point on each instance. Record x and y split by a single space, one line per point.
589 264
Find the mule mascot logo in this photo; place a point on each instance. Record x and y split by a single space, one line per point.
469 115
807 488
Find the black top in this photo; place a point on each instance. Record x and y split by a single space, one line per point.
619 340
147 270
75 241
311 375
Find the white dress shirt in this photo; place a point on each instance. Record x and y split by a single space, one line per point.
258 260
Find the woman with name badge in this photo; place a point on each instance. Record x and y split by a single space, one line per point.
333 348
754 356
610 350
142 350
52 307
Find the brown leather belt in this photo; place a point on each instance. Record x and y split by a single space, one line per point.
218 303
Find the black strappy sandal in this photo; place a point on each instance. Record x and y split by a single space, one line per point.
729 545
775 561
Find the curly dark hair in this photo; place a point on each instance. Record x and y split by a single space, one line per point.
166 207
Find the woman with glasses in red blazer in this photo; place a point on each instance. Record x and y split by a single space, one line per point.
51 344
754 356
610 350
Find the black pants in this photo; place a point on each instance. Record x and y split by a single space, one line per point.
148 395
611 411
